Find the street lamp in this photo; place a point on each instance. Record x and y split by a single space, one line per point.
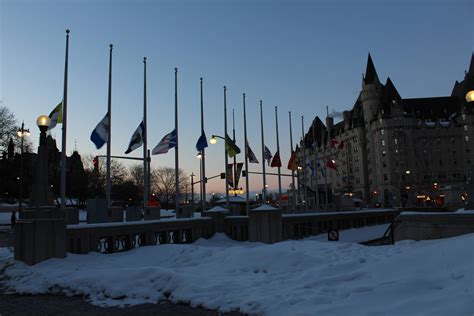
199 155
213 141
470 96
42 195
22 133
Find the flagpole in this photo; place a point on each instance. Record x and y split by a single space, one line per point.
278 150
176 156
234 167
226 158
315 168
292 171
305 196
145 172
64 127
246 160
263 156
203 157
109 136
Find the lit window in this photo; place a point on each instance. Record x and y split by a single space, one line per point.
396 141
465 127
382 131
383 142
466 138
384 153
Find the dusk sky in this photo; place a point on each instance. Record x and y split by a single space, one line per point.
298 55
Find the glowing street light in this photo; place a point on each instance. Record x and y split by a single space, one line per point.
470 96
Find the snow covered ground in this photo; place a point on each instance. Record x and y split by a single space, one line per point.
298 277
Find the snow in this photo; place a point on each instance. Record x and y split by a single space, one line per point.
218 209
296 277
232 199
265 207
357 234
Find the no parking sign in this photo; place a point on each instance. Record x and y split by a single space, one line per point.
333 235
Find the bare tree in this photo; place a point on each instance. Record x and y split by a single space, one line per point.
163 184
135 174
8 129
96 175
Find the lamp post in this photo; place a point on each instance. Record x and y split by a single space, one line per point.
22 132
42 195
213 141
470 96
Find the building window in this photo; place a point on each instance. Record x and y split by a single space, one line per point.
395 141
384 164
384 153
466 138
465 127
383 142
385 177
382 131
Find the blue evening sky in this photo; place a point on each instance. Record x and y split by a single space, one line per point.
298 55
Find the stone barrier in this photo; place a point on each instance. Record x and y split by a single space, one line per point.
265 224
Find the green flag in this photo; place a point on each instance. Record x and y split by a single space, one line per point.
231 147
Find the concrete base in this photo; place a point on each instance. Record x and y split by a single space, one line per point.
133 214
38 240
432 226
185 211
218 214
71 215
97 212
265 225
152 213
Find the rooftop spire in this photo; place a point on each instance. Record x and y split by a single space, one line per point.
370 73
471 65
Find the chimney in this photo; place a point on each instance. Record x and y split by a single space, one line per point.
347 119
329 122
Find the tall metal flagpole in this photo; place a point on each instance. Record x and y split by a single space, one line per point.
109 136
176 156
226 158
292 171
234 167
64 127
278 150
247 197
263 156
145 163
203 157
303 146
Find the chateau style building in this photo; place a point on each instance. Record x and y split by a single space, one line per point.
391 151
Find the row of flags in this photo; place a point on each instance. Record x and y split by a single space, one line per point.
99 137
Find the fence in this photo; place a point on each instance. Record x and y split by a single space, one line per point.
113 237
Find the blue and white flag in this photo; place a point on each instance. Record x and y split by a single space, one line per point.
137 138
319 166
100 134
309 166
202 142
267 155
165 144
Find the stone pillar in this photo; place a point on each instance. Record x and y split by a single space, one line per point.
42 195
37 240
265 225
152 213
218 214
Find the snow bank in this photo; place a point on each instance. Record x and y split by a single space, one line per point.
304 277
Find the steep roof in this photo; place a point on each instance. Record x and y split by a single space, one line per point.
370 72
432 108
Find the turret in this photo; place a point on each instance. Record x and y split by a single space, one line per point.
371 91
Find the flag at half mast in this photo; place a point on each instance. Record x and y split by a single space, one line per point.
268 155
56 115
293 162
231 147
101 132
137 139
165 144
276 161
250 155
